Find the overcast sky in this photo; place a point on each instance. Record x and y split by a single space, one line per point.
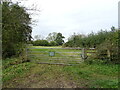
69 16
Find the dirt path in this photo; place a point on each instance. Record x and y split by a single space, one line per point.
44 76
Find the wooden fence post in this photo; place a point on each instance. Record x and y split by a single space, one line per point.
109 54
84 54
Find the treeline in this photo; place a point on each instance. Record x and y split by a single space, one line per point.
93 39
105 42
16 29
44 43
53 39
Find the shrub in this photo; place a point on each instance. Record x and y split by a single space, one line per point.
53 43
41 43
108 52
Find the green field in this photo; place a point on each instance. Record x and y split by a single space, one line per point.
34 75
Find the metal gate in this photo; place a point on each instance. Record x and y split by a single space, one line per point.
63 56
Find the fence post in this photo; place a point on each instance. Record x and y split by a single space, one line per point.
108 54
84 54
27 53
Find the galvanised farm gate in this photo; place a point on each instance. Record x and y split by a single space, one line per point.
62 56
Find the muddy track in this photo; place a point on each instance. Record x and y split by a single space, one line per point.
43 76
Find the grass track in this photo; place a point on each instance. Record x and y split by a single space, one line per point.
32 75
59 76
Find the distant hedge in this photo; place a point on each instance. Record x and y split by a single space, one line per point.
44 43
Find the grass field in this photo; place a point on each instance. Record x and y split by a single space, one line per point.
83 75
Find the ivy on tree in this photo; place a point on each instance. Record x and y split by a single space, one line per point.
16 29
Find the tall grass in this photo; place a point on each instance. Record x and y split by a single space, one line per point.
12 69
94 75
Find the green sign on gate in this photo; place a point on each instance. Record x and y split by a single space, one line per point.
51 53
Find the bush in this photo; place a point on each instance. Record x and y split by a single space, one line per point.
17 33
107 52
41 43
53 43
